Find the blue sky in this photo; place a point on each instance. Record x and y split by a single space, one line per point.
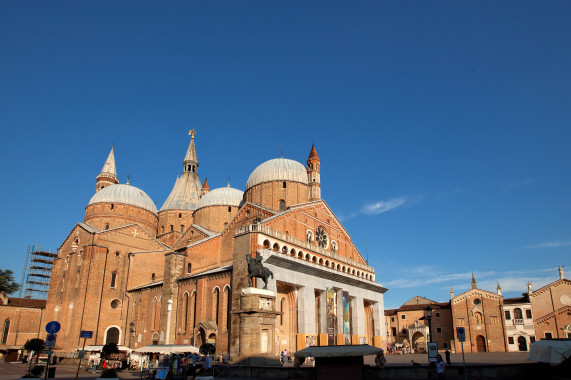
443 128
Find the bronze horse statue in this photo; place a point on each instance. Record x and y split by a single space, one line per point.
256 269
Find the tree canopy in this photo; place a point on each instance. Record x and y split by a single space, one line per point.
7 283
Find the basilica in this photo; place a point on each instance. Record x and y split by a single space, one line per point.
138 276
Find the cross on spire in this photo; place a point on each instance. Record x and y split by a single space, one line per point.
192 132
282 152
229 179
128 177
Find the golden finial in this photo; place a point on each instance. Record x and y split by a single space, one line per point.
192 132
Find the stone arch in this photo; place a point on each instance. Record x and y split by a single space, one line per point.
314 259
113 334
327 263
521 343
300 255
266 244
338 267
155 339
307 257
480 344
343 268
284 249
292 252
320 261
358 274
276 247
418 342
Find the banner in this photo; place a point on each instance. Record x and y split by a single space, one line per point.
346 318
331 315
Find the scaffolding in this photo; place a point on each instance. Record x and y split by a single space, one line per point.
37 273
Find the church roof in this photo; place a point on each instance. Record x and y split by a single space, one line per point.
125 194
223 196
187 188
185 193
278 169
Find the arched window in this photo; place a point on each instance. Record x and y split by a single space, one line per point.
282 205
113 279
282 311
112 335
193 309
228 299
229 209
172 228
182 228
5 331
188 267
517 313
106 226
284 184
216 304
153 277
185 323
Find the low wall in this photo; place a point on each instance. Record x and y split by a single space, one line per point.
523 371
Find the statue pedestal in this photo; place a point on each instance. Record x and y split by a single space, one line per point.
257 326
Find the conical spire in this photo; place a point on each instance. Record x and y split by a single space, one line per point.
190 160
108 175
499 289
473 282
187 189
451 293
109 166
313 152
205 187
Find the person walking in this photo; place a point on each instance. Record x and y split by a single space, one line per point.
440 368
284 356
447 353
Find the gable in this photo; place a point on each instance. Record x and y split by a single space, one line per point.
473 293
192 234
302 221
418 301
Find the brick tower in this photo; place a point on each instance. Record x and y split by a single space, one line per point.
313 163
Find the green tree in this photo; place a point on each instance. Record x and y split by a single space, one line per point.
7 283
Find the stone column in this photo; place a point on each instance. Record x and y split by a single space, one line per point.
358 316
306 310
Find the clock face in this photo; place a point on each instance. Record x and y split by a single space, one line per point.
321 237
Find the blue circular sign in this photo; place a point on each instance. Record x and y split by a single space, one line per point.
53 327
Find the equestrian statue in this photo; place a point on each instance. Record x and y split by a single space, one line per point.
256 269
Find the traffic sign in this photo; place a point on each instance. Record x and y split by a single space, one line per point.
86 334
461 334
51 340
53 327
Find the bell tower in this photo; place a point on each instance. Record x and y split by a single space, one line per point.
313 167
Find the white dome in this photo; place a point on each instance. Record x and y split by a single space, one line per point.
125 194
223 196
278 169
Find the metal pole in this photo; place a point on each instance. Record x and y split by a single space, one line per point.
47 366
464 360
80 357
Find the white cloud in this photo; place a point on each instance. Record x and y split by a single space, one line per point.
379 207
422 276
551 244
512 185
